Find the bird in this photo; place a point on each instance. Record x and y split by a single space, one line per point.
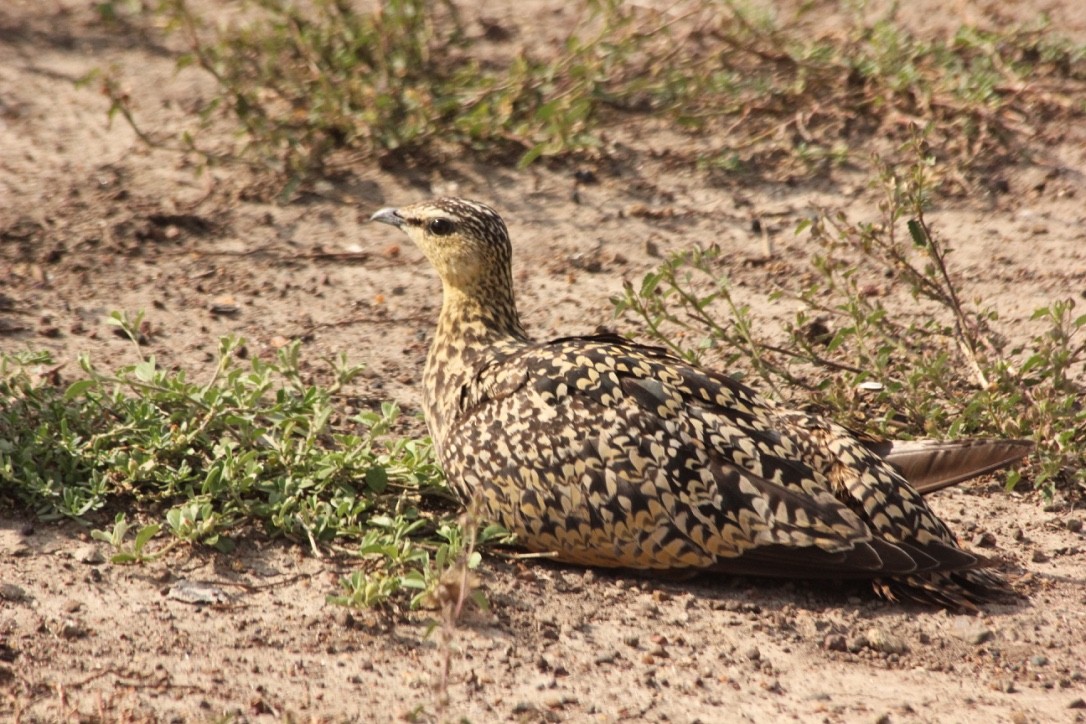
604 452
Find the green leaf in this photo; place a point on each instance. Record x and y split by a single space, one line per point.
377 479
145 534
78 389
531 155
916 231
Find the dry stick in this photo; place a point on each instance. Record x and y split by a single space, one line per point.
451 610
965 341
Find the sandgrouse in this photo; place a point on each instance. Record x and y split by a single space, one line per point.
605 452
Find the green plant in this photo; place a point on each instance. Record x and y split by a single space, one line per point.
136 553
314 87
256 445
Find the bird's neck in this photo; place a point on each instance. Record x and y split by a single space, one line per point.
476 318
475 328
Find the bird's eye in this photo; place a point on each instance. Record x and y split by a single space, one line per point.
440 227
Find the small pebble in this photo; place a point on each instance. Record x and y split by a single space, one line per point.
972 632
1038 660
835 642
11 592
89 555
753 654
855 644
1039 556
607 657
884 642
556 700
1074 524
72 630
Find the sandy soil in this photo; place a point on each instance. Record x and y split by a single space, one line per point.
92 221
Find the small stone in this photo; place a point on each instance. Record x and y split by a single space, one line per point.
884 642
1038 660
72 605
753 654
90 555
857 643
557 700
1039 556
1079 703
72 630
659 652
632 641
13 593
835 642
972 632
985 539
1074 525
607 657
197 593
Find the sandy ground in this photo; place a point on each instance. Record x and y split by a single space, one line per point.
92 221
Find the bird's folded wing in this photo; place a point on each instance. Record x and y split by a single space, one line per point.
635 443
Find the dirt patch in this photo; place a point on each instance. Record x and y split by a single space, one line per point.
91 221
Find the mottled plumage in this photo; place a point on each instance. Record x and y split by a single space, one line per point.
610 453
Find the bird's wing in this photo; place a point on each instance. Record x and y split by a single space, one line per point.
611 453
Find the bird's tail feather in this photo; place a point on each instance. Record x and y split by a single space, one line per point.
931 465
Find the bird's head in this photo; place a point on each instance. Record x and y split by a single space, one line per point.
466 241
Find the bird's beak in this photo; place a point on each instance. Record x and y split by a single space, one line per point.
388 216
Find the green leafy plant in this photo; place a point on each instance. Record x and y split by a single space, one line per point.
136 552
257 445
313 87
